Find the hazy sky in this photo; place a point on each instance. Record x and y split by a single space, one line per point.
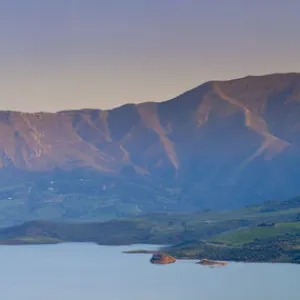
62 54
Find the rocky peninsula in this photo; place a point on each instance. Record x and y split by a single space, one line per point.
212 263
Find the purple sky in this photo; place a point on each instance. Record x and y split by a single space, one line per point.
62 54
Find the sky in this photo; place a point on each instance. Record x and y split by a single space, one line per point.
71 54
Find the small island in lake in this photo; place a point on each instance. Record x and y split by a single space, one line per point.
212 263
162 259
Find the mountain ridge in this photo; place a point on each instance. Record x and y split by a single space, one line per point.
219 144
286 74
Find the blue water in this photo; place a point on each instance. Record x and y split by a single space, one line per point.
90 272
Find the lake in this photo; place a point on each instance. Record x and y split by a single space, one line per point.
90 272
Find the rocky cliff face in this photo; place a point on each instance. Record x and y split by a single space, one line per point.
220 142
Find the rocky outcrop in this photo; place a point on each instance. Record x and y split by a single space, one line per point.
162 259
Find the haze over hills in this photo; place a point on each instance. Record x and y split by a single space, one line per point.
220 145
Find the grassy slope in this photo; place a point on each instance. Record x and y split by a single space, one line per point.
247 235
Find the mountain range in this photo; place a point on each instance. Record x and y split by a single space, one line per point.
220 145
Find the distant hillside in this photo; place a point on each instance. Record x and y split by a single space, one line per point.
221 145
269 232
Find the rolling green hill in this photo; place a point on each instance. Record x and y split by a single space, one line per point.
268 232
